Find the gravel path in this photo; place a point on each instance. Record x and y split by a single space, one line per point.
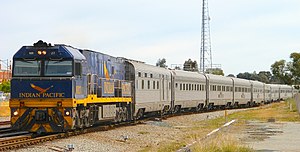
148 136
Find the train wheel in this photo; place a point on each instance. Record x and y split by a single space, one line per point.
177 109
86 122
125 114
140 114
118 116
199 108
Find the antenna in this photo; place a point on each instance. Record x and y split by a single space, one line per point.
205 51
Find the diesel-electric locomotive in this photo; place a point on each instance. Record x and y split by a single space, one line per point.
59 88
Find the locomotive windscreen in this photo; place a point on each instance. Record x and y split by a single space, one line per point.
37 68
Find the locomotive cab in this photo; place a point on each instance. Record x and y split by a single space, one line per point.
44 83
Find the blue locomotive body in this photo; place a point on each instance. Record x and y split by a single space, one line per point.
58 88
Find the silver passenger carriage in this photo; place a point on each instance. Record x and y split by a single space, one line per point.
275 89
268 94
220 91
152 88
286 92
189 90
242 92
258 89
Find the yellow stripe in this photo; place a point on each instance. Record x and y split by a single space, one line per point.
48 103
94 99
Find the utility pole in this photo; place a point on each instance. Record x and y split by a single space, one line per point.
205 51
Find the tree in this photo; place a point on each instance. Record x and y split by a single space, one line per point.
245 75
231 75
5 87
161 63
281 72
215 71
177 68
294 67
265 76
190 65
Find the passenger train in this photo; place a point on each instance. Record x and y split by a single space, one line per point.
58 88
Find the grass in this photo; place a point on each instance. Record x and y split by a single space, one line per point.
278 111
221 143
224 142
4 109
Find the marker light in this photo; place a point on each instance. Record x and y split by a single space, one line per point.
16 113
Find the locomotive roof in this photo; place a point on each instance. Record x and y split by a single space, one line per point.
54 52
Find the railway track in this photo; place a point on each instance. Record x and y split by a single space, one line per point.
28 139
2 123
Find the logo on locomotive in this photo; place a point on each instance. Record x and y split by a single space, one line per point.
42 93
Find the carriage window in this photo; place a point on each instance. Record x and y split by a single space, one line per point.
180 86
151 76
176 85
190 87
27 68
137 84
219 88
183 86
157 85
153 84
145 75
143 84
140 74
148 84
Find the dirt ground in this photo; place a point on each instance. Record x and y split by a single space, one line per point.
269 136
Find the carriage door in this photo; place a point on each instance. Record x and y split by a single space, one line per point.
163 88
172 90
79 83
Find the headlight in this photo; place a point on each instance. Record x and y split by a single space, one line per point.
16 113
67 113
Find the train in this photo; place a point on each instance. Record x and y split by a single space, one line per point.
59 88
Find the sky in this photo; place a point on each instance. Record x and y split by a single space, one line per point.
246 35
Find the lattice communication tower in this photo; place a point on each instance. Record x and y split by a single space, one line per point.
205 51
